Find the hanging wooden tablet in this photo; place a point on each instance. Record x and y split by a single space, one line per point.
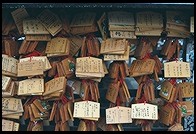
177 69
58 46
62 115
9 65
33 26
68 65
11 47
31 86
192 25
40 37
53 111
112 92
144 111
142 49
7 125
165 114
186 108
172 49
173 94
166 90
76 44
84 91
103 26
114 70
118 57
139 91
113 46
37 127
8 24
38 104
55 84
89 67
82 126
176 127
53 69
44 59
35 111
118 115
6 81
10 104
64 126
187 89
30 68
117 34
124 92
50 21
141 67
60 69
151 91
149 19
83 23
10 90
87 110
19 15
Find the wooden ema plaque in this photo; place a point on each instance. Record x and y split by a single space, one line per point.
144 111
31 86
50 21
33 26
87 110
176 69
30 68
118 115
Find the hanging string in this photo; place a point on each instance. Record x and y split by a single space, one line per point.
34 53
147 56
172 81
64 99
